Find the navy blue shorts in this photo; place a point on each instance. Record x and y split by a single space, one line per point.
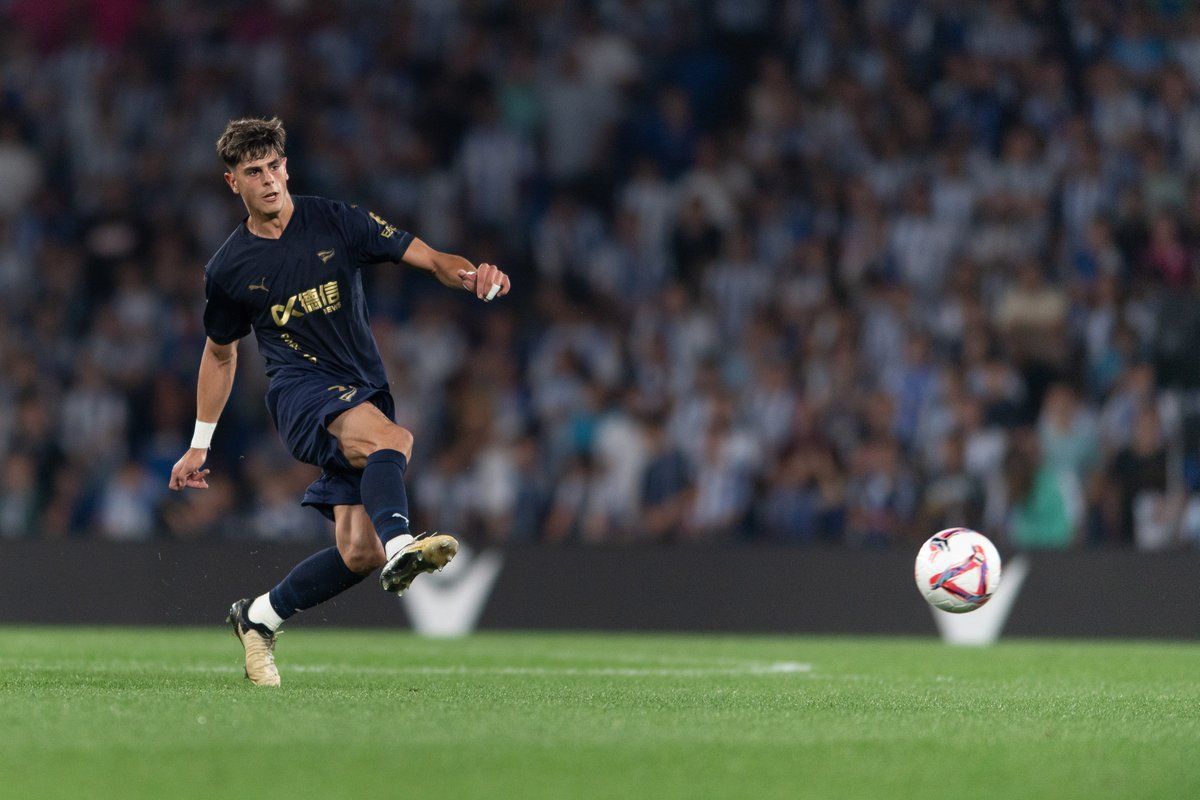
302 410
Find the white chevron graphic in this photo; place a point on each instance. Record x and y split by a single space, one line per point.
984 625
449 603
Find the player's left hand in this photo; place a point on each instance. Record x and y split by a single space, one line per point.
186 474
486 281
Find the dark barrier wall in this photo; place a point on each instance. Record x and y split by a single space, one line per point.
757 589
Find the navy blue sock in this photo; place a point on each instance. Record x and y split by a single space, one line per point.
383 493
313 581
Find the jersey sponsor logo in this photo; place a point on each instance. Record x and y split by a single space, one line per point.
389 230
261 286
325 255
290 342
283 314
347 393
326 298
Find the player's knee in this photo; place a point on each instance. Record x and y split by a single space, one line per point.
394 438
363 557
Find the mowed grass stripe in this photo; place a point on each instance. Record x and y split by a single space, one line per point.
164 668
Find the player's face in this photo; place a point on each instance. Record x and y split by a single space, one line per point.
262 184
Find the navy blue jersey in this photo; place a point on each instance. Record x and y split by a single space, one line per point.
302 293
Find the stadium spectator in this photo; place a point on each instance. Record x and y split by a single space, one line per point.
1140 475
845 273
1046 501
665 485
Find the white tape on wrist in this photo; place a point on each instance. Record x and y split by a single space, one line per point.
202 438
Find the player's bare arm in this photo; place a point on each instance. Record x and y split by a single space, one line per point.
486 281
217 366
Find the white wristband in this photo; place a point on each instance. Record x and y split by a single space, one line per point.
202 438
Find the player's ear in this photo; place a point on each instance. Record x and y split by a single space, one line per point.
231 179
283 167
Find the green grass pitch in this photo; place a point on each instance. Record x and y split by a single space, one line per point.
121 713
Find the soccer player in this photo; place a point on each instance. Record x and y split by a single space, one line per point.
290 273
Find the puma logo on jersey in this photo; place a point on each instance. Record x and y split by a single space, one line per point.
325 255
261 286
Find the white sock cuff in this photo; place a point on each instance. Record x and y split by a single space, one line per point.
262 612
396 544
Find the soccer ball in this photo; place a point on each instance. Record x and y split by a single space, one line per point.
957 570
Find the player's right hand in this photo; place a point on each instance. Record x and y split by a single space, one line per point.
486 282
186 474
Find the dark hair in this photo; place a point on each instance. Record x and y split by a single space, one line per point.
247 139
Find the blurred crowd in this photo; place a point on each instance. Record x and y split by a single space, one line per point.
786 270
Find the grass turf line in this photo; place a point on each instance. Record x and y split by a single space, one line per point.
166 714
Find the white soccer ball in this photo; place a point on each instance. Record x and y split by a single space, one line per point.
958 570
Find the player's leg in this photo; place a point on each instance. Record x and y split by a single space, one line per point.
320 577
372 442
326 573
357 541
381 449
